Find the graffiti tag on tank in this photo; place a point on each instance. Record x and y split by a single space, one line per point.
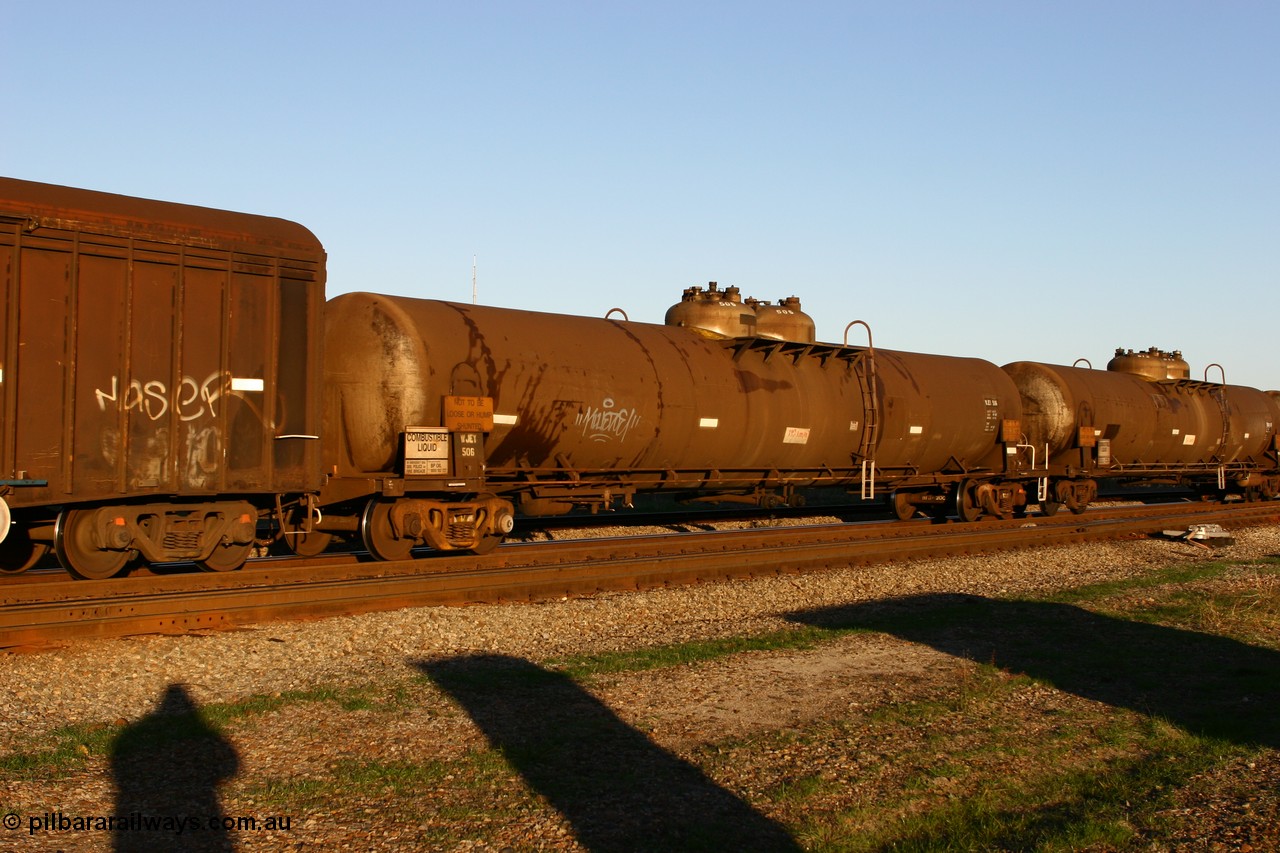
606 422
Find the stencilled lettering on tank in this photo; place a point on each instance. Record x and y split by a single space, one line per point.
607 422
796 435
993 414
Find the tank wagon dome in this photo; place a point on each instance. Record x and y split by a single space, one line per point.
784 321
713 313
1154 364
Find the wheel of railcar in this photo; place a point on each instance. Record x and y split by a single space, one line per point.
297 540
487 544
1076 505
903 508
1049 507
226 557
379 536
77 551
965 498
19 552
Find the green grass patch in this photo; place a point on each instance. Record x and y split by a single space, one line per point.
1109 790
1105 804
1167 576
355 780
72 746
681 654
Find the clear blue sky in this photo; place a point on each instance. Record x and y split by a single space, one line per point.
1009 180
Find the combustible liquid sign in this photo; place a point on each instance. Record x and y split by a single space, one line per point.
426 452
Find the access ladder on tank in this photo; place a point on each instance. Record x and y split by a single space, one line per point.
866 373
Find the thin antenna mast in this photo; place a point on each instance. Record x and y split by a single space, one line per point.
473 279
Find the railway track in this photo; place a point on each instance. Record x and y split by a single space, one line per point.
51 609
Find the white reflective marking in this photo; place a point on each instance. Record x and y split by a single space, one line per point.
796 435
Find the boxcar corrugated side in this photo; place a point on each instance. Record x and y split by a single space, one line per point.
149 350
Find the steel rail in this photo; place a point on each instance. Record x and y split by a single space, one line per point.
39 614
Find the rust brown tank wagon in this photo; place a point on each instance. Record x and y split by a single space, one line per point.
175 388
1144 418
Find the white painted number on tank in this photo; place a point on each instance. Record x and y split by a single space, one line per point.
993 414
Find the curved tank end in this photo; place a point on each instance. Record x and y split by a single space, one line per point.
376 366
1048 402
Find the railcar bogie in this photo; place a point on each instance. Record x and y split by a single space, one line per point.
391 528
101 542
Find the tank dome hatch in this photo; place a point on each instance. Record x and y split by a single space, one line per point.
783 321
1154 364
713 313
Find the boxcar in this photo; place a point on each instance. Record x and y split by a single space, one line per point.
159 380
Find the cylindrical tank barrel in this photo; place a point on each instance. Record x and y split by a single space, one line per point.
581 394
577 392
938 411
1146 422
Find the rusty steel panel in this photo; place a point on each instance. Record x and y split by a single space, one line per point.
39 205
575 391
1254 421
585 394
940 411
153 348
37 373
1148 423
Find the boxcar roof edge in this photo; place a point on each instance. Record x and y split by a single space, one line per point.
92 211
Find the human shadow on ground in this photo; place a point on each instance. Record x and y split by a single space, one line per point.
167 768
619 790
1206 684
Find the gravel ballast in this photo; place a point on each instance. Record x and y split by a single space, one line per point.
643 756
120 679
